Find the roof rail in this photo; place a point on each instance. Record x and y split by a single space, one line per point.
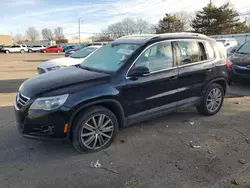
182 33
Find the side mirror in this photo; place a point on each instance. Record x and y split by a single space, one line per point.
233 50
227 44
139 72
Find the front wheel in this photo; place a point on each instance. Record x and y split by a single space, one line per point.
58 51
94 130
29 51
7 51
212 100
22 51
44 51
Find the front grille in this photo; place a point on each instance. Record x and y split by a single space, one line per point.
40 71
21 100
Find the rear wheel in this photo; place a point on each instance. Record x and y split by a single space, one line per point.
94 130
22 51
44 51
7 51
212 100
58 51
29 51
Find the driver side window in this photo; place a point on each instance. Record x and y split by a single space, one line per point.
157 57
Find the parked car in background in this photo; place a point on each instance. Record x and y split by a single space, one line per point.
70 52
3 46
231 50
71 47
52 49
15 48
240 64
74 59
228 42
36 48
129 80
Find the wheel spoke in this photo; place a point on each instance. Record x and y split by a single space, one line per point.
89 140
106 123
94 145
94 121
107 129
87 134
89 127
105 135
101 120
101 141
209 105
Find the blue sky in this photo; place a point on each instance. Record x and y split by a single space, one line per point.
17 15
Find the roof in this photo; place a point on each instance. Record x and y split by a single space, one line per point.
145 38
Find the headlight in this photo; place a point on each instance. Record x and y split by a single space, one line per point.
49 103
55 68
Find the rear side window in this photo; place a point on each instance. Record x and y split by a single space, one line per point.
209 50
191 52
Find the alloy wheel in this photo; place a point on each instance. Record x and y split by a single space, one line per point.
97 131
214 100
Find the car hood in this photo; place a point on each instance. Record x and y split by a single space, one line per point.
240 59
72 78
66 61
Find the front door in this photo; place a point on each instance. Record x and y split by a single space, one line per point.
195 64
154 93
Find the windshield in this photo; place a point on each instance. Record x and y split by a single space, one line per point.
110 57
244 49
83 52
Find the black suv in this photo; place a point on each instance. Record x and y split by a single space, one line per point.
126 81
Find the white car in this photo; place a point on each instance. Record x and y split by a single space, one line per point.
228 42
222 48
35 48
16 48
75 59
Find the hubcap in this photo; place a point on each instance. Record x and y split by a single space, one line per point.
97 131
214 99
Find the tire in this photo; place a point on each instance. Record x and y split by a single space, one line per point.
79 127
22 51
205 107
29 51
58 51
7 51
44 51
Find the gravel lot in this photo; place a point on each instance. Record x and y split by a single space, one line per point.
156 153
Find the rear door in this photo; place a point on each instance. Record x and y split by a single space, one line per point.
195 65
155 93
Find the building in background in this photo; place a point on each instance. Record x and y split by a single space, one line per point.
41 42
6 40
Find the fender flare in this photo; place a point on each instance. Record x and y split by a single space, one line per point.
95 103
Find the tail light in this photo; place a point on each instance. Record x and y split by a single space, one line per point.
228 63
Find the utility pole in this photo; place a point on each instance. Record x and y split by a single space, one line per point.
79 29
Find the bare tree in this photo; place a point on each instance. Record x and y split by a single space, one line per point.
47 34
18 38
32 34
59 33
142 26
128 26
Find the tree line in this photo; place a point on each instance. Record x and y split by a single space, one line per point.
210 20
32 34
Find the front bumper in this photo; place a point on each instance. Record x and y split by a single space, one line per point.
39 124
240 74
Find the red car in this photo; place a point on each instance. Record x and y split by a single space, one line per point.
52 49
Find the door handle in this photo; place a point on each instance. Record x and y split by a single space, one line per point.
173 78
